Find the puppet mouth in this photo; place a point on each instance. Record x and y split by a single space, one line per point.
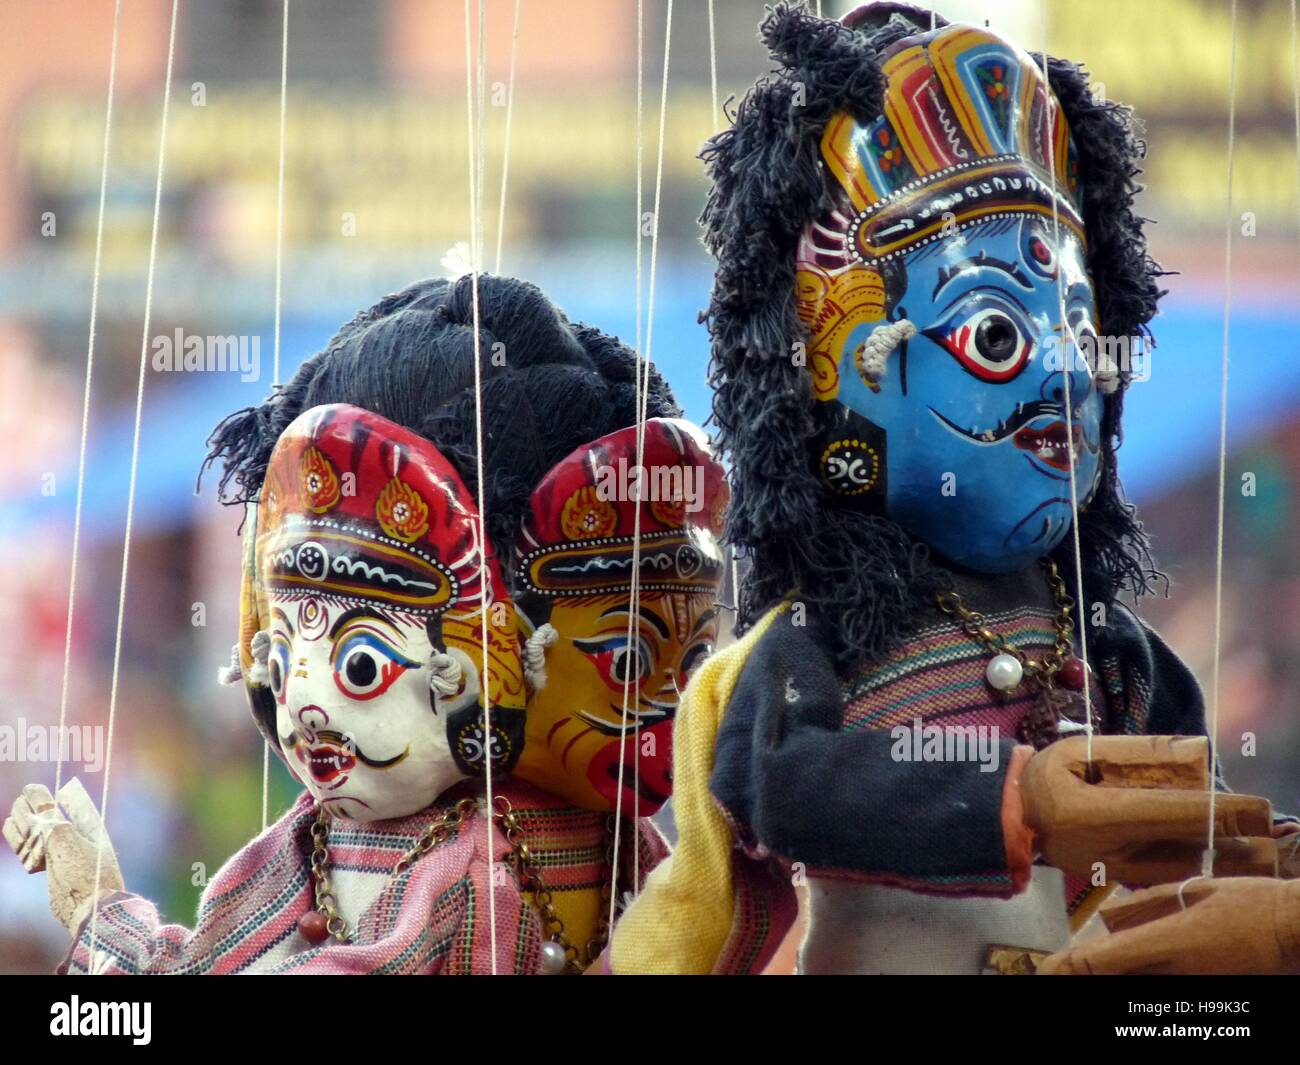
631 780
1052 445
326 763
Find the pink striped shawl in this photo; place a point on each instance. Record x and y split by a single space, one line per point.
432 920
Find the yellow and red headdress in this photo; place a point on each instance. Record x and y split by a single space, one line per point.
579 535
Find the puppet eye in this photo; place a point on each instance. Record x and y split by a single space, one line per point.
695 654
1041 258
991 342
277 666
616 660
366 666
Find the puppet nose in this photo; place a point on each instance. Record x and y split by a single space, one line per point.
1080 377
312 717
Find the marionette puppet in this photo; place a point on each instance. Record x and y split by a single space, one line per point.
605 679
361 651
917 237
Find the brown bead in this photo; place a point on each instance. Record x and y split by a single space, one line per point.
314 927
1074 673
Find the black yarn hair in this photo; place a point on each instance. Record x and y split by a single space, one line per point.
548 386
864 573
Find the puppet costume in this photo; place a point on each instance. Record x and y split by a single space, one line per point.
432 920
919 236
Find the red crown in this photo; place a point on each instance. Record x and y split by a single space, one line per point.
578 538
355 506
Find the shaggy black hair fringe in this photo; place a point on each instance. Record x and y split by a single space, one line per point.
410 359
865 573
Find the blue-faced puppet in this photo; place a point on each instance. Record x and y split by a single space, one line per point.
921 233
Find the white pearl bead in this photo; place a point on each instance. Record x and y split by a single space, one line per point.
554 958
1004 672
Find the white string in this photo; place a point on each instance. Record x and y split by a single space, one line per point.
85 398
1295 91
1207 859
640 460
279 281
1068 353
713 67
135 469
476 249
505 161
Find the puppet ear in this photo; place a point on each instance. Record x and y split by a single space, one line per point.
535 655
446 675
874 352
233 673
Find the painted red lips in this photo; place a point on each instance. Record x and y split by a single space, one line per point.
327 763
1050 444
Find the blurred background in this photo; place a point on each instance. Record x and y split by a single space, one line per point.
376 193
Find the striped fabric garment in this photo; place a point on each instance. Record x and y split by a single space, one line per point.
938 678
431 920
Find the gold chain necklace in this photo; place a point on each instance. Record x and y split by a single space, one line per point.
558 953
1010 666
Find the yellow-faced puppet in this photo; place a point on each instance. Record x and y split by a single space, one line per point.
602 704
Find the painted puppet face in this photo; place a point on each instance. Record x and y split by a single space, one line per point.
972 409
365 592
576 740
957 209
356 718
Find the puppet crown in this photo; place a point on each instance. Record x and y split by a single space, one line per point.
579 534
964 137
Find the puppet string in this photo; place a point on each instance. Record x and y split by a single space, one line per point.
475 146
279 288
135 469
634 597
1207 859
505 157
713 65
85 399
1295 93
644 373
1068 351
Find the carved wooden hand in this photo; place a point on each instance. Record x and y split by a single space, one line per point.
1239 925
63 837
1141 807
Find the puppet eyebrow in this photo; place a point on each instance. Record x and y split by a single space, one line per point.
361 612
653 619
948 274
703 620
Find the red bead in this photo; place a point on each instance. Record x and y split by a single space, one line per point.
314 927
1073 673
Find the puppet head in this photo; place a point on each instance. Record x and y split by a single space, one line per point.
366 599
574 568
919 238
409 362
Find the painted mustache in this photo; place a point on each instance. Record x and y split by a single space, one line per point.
1019 419
333 754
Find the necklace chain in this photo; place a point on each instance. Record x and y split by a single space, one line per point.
1042 670
526 864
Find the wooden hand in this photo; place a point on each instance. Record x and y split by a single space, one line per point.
1234 926
1140 807
63 838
